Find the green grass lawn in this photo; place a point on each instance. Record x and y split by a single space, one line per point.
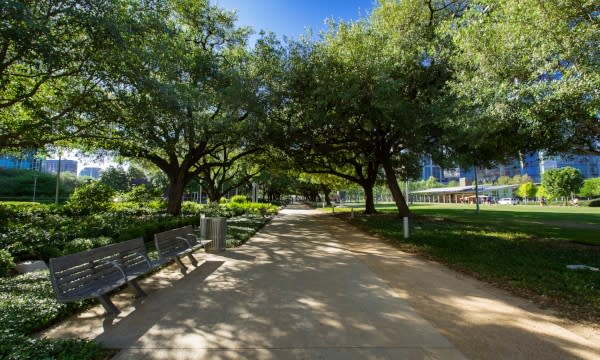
524 249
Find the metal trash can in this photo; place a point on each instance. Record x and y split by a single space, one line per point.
216 229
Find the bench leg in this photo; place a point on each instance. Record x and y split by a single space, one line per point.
182 267
193 259
139 293
108 305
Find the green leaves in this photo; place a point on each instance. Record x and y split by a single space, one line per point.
562 183
590 188
532 69
47 75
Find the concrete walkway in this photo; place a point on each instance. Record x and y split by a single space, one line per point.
291 292
308 286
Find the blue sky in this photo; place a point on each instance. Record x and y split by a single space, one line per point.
292 17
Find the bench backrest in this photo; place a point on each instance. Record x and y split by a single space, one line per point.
70 273
169 242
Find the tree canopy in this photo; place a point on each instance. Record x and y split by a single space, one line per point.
50 55
528 75
184 94
175 83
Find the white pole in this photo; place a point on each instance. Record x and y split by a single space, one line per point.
58 178
405 226
202 226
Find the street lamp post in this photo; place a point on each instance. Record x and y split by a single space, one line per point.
57 179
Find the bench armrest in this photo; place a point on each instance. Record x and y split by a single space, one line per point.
119 267
204 243
186 241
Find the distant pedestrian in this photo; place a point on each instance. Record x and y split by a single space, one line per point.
575 202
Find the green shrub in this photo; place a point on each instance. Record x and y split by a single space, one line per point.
139 194
148 228
82 244
239 199
191 208
157 204
136 209
7 263
594 203
17 211
238 209
94 197
18 184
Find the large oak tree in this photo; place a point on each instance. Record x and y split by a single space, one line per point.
183 92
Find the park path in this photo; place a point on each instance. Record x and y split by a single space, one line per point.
308 286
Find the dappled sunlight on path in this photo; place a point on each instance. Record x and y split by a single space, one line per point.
290 292
310 286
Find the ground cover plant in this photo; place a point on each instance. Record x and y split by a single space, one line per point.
27 305
240 229
524 249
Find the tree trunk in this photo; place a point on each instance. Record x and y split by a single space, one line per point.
213 194
369 198
392 182
368 184
326 191
327 199
175 194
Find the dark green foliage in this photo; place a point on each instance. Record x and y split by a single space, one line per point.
18 347
7 263
148 228
51 52
594 203
31 231
18 184
139 194
81 244
27 305
94 197
116 178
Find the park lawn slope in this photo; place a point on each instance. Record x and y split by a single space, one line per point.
522 249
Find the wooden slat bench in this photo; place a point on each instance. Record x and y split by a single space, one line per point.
96 272
177 243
